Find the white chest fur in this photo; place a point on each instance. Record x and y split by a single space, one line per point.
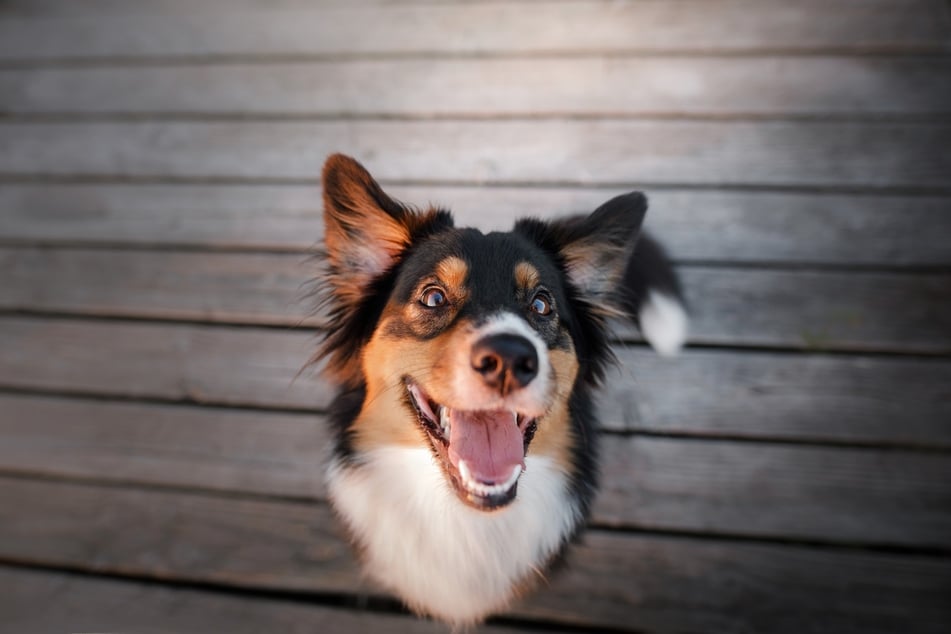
440 556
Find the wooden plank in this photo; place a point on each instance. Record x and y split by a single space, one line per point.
481 28
777 395
48 8
666 86
233 366
613 579
792 396
615 152
753 307
830 494
820 310
227 450
40 601
749 226
774 491
224 287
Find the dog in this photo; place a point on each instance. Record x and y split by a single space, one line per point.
465 456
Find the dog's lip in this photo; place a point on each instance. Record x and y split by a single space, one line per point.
432 411
435 419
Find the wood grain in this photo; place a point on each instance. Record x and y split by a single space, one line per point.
792 396
683 25
233 366
628 153
613 579
796 155
589 87
752 489
226 450
749 226
820 310
37 601
729 306
224 287
777 395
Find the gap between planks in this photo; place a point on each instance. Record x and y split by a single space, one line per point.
736 393
739 306
816 494
610 578
489 27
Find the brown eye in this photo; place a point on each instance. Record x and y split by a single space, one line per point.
433 297
541 304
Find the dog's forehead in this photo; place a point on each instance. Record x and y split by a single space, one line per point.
490 265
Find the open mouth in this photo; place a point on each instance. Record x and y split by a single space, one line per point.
482 452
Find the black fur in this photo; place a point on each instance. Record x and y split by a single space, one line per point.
593 267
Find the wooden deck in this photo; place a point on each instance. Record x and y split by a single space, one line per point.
160 462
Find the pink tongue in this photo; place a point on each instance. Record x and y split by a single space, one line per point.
490 443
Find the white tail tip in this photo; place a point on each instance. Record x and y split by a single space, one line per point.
663 323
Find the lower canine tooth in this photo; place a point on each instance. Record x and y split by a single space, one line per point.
465 473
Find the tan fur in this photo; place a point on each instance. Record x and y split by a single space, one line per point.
553 437
453 272
526 276
388 358
384 420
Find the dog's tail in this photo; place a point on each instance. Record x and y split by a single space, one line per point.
652 294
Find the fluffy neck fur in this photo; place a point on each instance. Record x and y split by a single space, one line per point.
446 559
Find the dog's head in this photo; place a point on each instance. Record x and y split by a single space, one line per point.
471 344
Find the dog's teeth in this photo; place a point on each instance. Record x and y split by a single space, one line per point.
481 488
515 417
444 419
516 472
465 473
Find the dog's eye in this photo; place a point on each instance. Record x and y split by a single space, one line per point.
433 297
541 304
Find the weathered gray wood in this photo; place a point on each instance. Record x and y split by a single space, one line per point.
854 495
223 287
776 395
234 366
776 491
818 310
47 8
748 225
615 580
868 400
231 450
681 586
619 152
672 86
43 602
685 25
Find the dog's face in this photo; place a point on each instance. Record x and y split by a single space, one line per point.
474 352
467 343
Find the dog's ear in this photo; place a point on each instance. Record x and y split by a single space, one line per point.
593 249
366 232
366 235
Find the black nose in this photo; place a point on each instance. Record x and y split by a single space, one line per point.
506 362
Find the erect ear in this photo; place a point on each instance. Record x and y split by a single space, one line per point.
594 249
366 231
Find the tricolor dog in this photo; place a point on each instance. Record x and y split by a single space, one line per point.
466 453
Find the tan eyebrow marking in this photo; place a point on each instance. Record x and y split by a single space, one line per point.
453 271
526 275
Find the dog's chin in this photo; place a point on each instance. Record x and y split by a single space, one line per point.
481 452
